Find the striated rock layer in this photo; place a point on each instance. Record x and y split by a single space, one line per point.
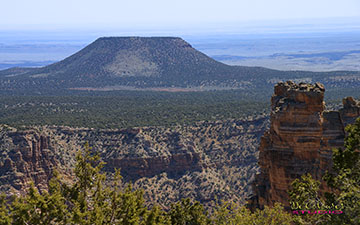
300 139
27 156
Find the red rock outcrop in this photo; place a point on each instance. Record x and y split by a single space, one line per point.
300 140
28 158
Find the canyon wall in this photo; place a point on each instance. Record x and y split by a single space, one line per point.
204 161
27 156
300 140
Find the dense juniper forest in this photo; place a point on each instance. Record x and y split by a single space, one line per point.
132 82
122 109
128 109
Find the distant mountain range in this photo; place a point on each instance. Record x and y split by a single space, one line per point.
113 63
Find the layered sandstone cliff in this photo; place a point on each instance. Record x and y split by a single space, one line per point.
300 139
27 157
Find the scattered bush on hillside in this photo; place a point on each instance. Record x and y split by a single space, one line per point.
90 201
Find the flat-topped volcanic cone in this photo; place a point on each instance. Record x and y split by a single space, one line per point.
151 62
124 57
134 61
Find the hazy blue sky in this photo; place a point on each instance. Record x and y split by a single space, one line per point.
30 14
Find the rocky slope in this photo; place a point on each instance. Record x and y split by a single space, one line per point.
205 161
300 139
26 156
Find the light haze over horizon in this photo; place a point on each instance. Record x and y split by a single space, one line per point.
165 14
261 32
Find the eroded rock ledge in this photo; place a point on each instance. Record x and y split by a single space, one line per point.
300 139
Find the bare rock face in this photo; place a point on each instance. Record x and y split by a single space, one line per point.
26 156
300 140
145 152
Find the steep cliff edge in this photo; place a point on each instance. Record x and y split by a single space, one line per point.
27 156
300 139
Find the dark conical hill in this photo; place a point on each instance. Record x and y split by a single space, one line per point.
124 57
148 60
145 62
